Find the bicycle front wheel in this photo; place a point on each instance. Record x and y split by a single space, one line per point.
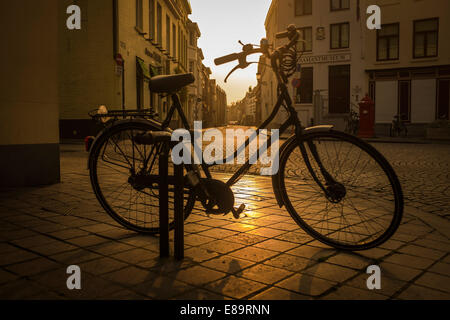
360 210
117 168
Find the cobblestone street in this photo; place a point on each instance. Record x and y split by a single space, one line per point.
264 255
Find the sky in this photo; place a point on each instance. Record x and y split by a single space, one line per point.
222 23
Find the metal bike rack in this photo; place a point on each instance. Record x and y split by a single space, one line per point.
164 138
164 202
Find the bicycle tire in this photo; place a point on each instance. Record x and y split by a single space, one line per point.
311 224
100 144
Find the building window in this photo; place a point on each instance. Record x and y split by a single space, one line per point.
168 34
388 42
191 66
159 23
426 38
139 15
340 35
305 91
336 5
306 35
151 19
303 7
174 40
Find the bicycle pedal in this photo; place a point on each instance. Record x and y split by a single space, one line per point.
237 212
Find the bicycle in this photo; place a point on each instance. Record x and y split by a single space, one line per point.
352 122
398 127
336 187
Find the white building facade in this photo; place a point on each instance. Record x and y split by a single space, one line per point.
332 63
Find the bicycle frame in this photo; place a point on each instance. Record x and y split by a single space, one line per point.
284 100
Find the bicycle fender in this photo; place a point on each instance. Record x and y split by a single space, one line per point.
156 124
321 128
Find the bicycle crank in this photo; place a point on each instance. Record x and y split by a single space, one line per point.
220 198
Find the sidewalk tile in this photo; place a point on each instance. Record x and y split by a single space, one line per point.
265 274
253 254
276 245
421 293
275 293
290 262
306 284
351 293
434 281
330 272
409 261
228 264
101 266
222 246
235 287
197 275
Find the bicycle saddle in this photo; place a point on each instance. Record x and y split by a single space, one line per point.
170 83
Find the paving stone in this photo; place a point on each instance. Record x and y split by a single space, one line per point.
217 233
275 293
87 241
197 240
6 276
276 245
129 276
246 239
266 232
409 261
331 272
312 253
134 256
434 281
398 272
33 267
253 254
199 294
351 293
53 248
18 255
422 252
415 292
75 256
101 266
230 265
20 289
350 260
265 274
197 275
389 286
441 268
199 254
306 285
235 287
290 262
222 246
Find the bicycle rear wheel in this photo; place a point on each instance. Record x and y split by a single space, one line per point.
115 161
361 210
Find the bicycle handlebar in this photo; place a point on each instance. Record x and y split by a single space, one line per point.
226 59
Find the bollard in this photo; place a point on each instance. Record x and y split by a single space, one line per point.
164 202
179 212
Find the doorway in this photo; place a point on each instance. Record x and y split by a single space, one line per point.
339 89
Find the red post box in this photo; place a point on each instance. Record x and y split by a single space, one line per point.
366 118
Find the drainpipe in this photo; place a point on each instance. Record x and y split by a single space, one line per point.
115 31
